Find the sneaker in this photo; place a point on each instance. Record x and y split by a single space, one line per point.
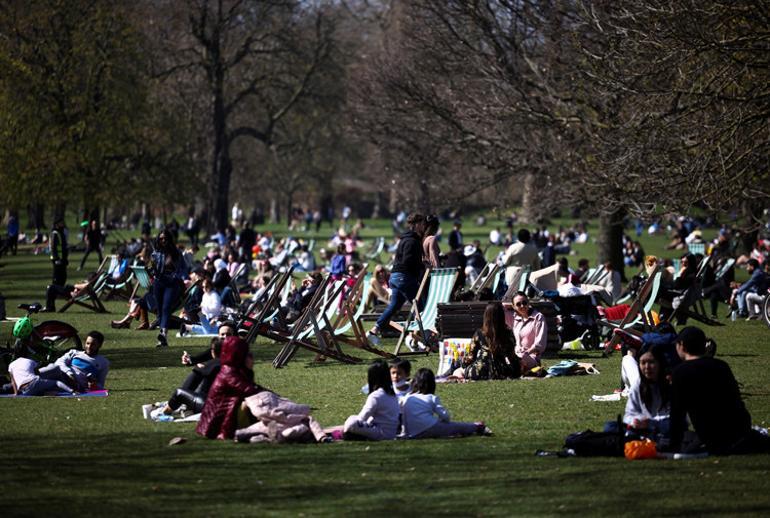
156 413
752 317
483 429
373 338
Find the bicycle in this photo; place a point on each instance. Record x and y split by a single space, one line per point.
43 342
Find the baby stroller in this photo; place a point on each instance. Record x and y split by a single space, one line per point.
577 318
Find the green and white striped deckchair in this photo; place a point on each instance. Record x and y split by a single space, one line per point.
110 286
697 248
142 278
316 320
442 281
377 247
350 319
489 274
640 310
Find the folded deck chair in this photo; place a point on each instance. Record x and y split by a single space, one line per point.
315 321
442 281
87 297
640 310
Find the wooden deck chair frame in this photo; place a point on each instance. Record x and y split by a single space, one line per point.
350 319
485 278
415 315
640 308
277 283
142 278
692 305
315 321
87 298
122 289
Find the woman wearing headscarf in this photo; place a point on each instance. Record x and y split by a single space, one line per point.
233 384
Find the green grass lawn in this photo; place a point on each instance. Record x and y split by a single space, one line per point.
99 456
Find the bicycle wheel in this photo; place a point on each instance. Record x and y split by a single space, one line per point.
57 337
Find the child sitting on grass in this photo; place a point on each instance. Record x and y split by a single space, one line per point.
378 419
424 417
400 370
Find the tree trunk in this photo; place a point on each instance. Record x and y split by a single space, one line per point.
274 217
289 206
221 166
610 239
424 203
39 217
530 212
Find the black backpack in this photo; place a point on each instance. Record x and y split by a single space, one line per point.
596 444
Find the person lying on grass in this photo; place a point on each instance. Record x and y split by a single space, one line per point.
705 390
423 415
26 381
378 419
194 391
81 370
234 383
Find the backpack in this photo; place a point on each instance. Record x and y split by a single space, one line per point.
596 444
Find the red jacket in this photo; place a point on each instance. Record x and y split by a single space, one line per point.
231 386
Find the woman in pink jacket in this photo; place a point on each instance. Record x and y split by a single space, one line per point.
530 332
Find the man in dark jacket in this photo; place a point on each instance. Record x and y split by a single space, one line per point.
405 274
705 390
57 242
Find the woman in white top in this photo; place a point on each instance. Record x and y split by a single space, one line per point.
648 407
26 381
378 419
211 308
425 417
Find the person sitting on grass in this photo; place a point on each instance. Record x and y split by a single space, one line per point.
193 392
425 417
400 369
233 384
378 419
82 370
492 353
705 390
26 380
530 331
649 400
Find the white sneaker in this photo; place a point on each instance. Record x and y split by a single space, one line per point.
156 413
373 338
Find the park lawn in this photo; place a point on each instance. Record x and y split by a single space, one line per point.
68 456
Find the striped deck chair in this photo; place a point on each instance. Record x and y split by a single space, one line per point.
519 283
640 311
116 285
691 305
442 281
255 316
485 279
316 322
376 250
143 280
87 297
697 248
350 320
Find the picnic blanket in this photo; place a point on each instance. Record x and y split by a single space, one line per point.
93 393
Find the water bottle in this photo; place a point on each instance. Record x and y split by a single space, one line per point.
733 315
165 418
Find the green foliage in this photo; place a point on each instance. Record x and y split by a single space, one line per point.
76 116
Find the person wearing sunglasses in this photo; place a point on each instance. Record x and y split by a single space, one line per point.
530 331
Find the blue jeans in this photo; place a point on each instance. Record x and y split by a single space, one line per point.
166 289
403 287
42 386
